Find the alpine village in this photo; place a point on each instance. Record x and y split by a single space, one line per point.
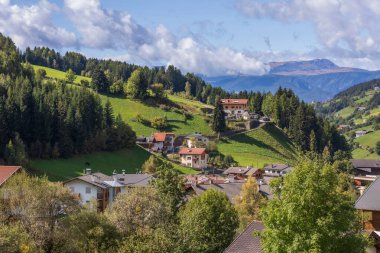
110 154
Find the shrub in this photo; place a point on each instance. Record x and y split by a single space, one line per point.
159 122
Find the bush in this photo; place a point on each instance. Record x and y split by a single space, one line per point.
159 123
84 83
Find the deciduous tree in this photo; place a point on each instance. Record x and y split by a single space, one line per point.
311 213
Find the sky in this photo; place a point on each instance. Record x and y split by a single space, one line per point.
213 37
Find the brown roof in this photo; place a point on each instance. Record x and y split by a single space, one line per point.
246 242
232 101
278 167
161 136
192 151
6 172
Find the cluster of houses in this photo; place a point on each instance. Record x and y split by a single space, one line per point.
101 189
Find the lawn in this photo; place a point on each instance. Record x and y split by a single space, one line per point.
129 160
364 154
369 139
345 112
259 147
53 73
129 109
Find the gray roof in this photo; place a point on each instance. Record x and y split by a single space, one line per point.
240 170
278 167
118 180
366 163
370 200
246 242
231 189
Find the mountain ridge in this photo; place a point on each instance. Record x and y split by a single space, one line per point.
314 80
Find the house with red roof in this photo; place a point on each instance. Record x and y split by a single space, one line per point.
7 171
235 107
193 157
163 142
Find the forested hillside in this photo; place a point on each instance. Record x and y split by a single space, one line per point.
354 109
43 119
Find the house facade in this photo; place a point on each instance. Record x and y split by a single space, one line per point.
235 107
163 142
240 173
194 157
369 206
102 189
196 140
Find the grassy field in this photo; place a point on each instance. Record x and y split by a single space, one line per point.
129 109
129 160
345 112
364 154
369 139
258 147
53 73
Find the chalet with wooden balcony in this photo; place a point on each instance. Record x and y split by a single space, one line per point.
369 205
194 157
163 142
235 107
102 188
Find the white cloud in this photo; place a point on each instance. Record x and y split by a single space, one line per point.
347 29
33 26
101 28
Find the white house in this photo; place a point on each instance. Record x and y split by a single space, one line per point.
235 107
277 170
102 188
163 142
361 133
196 139
194 157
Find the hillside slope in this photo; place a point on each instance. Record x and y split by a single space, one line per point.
359 108
258 147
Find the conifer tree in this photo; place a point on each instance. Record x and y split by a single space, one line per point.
219 121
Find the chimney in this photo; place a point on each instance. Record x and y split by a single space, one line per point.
123 171
88 171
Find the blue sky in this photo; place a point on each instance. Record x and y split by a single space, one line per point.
210 37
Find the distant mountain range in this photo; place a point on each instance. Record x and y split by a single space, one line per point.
314 80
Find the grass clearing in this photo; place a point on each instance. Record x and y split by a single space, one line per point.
369 139
129 160
258 147
360 153
53 73
129 109
345 112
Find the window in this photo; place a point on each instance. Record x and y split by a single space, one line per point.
88 190
202 157
188 158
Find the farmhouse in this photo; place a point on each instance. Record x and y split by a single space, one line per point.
196 140
276 170
194 157
240 173
7 172
365 167
103 188
163 142
235 107
361 133
361 108
369 205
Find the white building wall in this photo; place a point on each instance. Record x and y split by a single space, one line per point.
79 187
